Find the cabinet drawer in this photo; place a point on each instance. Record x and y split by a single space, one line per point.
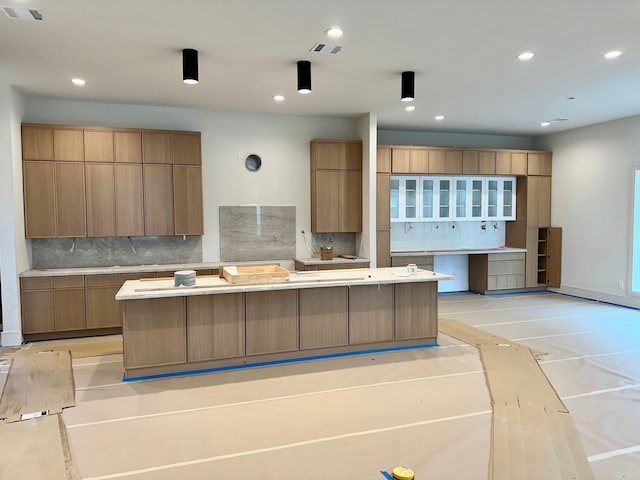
506 267
506 256
502 282
422 261
102 280
73 281
40 283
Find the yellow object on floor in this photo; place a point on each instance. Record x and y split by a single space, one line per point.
402 473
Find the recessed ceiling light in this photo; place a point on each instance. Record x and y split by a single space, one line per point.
439 117
278 98
545 124
409 108
334 32
612 54
78 81
524 56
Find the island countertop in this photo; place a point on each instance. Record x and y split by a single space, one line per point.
207 285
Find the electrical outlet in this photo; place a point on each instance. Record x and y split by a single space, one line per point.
621 285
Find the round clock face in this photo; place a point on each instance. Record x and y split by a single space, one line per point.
253 162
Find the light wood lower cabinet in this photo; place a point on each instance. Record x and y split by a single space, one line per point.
102 309
324 317
271 321
52 304
416 314
215 326
38 311
157 329
370 314
499 271
69 303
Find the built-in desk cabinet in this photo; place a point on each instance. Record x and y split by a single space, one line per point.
496 271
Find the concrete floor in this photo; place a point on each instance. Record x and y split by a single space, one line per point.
351 418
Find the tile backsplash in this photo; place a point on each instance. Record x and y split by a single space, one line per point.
110 251
443 235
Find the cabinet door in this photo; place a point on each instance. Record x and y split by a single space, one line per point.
468 195
394 199
215 326
37 143
437 161
271 321
323 317
383 248
187 200
70 200
127 147
518 163
39 199
487 163
128 200
531 258
383 159
382 201
155 332
326 207
101 215
370 314
350 201
158 199
503 163
417 318
157 147
98 146
419 160
408 201
351 156
68 144
69 309
470 162
508 198
554 256
453 159
102 308
538 201
443 188
186 149
493 206
401 159
428 198
37 311
325 155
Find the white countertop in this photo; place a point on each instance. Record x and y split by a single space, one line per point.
59 272
457 251
334 261
207 285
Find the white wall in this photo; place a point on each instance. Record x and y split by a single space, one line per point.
13 246
282 142
406 137
591 200
366 241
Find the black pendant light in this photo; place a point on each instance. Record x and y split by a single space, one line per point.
304 77
408 84
190 66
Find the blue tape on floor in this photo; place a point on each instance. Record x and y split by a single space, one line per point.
278 362
386 475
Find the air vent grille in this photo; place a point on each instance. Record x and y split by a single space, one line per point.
325 48
17 13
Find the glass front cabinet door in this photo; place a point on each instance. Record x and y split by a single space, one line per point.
469 198
501 198
405 199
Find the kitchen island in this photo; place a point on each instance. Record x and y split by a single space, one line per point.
215 324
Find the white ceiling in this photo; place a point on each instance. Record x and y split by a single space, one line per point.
463 53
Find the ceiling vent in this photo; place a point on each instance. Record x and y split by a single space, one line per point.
326 48
22 13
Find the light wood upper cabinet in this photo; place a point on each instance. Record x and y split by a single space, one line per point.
186 149
158 199
37 143
409 160
383 157
128 200
68 144
470 162
336 186
383 193
39 199
511 163
486 163
127 147
518 163
445 161
157 148
539 163
70 200
98 145
538 201
101 214
187 200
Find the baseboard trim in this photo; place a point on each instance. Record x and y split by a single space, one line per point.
11 338
617 300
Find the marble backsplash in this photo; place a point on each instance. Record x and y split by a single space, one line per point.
342 243
257 233
110 251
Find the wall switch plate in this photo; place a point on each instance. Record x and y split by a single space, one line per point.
621 285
